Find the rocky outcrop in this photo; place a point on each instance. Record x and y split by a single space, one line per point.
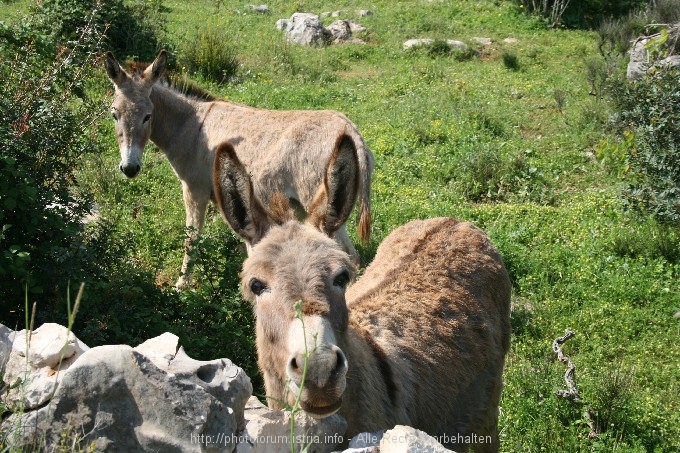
653 52
307 29
154 397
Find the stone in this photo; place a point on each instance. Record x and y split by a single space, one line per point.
355 27
482 41
38 361
282 24
404 439
6 340
642 60
341 31
416 42
268 431
364 13
262 9
366 440
511 40
116 398
307 29
455 44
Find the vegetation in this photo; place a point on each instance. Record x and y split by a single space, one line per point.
515 138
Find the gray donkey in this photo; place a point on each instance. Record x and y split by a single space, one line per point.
284 151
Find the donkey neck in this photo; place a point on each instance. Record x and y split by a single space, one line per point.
372 382
177 120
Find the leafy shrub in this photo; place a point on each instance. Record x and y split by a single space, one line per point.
510 61
580 13
209 55
487 175
44 127
132 29
650 110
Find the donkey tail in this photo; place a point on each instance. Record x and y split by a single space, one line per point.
366 165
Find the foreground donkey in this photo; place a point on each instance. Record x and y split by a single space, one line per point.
284 151
419 340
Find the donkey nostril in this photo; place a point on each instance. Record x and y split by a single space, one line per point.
340 362
293 364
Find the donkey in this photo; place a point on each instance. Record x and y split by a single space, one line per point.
284 151
419 340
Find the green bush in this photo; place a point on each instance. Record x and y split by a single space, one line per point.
132 28
650 110
209 55
44 128
581 13
510 61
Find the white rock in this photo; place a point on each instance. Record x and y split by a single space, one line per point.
483 41
404 439
120 400
366 440
161 349
307 29
6 340
282 24
415 42
37 360
269 431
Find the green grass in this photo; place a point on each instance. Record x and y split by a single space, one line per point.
477 140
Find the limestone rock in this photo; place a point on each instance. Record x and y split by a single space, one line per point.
6 340
307 29
417 42
262 9
404 439
366 440
38 360
116 398
268 431
482 41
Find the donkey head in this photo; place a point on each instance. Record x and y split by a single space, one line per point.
132 109
291 262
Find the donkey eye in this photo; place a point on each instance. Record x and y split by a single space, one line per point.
147 118
257 287
341 280
115 116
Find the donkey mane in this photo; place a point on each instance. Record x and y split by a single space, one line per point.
173 80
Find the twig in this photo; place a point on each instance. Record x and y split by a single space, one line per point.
572 392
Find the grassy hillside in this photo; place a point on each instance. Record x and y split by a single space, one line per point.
512 139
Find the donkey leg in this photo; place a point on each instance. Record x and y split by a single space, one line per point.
342 238
195 206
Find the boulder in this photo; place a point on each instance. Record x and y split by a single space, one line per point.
307 29
36 360
268 431
404 439
149 398
482 41
642 60
262 9
6 340
417 42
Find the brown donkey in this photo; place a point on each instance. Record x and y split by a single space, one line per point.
284 151
419 340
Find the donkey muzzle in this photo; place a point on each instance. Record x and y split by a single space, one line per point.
130 169
320 378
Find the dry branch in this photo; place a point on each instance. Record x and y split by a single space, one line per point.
572 392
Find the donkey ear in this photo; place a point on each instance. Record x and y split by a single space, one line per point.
236 198
335 199
156 69
113 69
